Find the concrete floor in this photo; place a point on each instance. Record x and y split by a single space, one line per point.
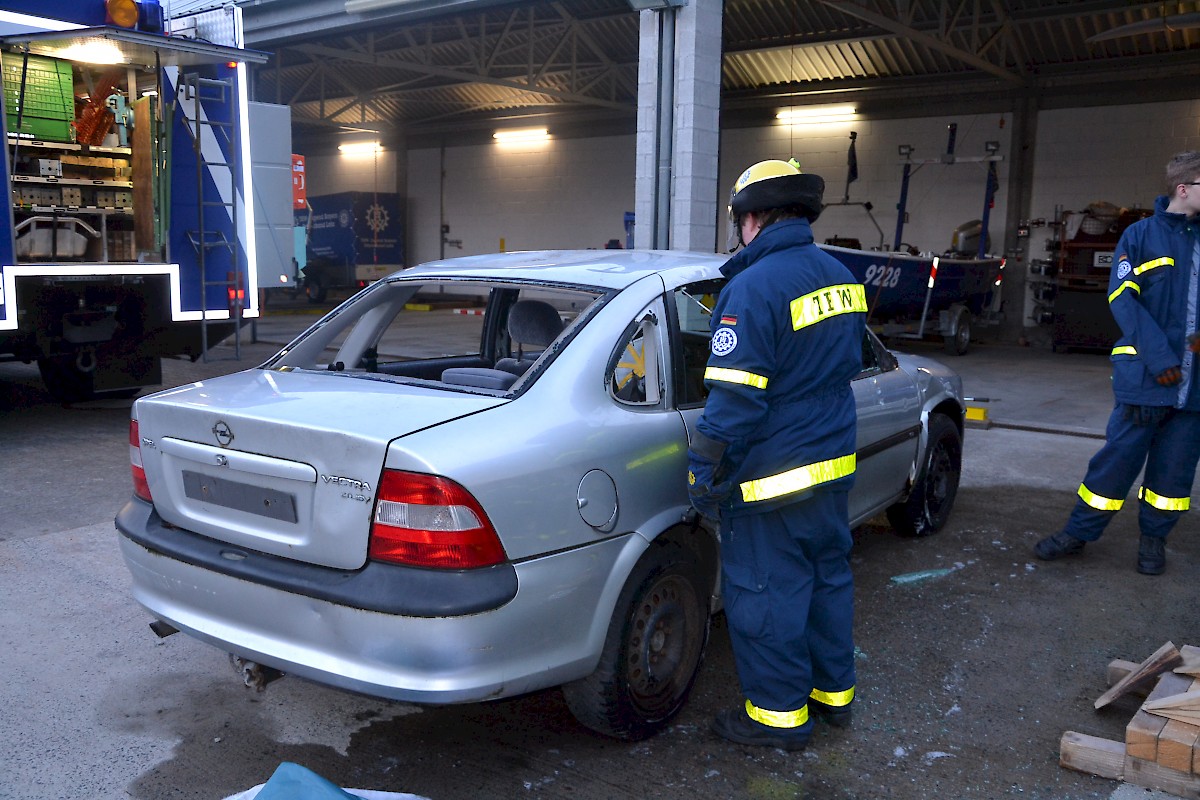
967 678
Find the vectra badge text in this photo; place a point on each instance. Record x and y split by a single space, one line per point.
223 433
349 483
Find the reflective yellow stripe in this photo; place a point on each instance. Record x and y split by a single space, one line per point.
1125 350
1123 287
735 376
1098 502
798 479
778 719
837 699
1165 261
1164 503
815 306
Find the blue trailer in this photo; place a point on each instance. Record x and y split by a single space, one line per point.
130 236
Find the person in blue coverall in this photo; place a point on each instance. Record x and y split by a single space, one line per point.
1156 422
773 457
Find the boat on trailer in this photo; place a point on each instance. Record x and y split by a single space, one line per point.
917 295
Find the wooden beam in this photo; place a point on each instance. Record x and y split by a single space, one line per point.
1091 754
1164 658
1150 775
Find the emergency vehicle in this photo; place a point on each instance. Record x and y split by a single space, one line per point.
131 231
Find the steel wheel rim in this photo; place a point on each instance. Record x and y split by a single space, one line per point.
663 645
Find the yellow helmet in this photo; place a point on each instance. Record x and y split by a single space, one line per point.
777 184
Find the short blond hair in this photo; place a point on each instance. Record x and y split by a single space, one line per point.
1182 168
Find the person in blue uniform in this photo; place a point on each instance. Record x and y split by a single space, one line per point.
1155 424
773 457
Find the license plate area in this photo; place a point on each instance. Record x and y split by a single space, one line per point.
264 502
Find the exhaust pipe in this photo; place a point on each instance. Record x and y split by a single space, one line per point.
254 675
162 629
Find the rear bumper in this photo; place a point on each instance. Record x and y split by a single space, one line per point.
387 588
549 632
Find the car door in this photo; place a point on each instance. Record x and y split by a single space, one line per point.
889 428
886 399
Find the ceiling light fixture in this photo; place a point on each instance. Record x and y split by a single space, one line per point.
521 135
814 115
359 148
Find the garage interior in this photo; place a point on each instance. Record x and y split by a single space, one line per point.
1082 103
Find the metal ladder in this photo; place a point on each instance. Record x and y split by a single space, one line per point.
217 93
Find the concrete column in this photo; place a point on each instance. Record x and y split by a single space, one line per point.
684 158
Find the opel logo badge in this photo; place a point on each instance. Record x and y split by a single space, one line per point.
223 433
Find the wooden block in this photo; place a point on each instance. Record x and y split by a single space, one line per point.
1175 745
1150 775
1141 734
1191 661
1164 658
1092 755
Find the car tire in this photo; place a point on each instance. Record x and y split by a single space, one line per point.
653 649
316 289
928 505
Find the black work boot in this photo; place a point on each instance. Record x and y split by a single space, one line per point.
1057 546
733 724
1152 555
837 716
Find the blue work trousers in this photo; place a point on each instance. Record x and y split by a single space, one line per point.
789 600
1167 444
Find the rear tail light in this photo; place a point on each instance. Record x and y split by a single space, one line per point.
428 521
140 487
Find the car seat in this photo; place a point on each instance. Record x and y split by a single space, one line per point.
534 323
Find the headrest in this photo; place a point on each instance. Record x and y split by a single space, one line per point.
534 322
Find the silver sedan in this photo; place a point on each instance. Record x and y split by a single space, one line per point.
467 482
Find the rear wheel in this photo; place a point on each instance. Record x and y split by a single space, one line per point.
653 649
316 289
928 505
959 340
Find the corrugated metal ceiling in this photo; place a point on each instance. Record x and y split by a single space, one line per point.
576 60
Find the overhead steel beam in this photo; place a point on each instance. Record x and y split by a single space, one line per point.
852 9
454 74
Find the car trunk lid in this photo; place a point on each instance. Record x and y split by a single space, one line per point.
283 463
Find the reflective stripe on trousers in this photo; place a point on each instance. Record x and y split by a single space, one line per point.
778 719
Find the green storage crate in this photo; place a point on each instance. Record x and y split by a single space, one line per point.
49 98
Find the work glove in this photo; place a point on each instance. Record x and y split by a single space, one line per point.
706 489
1169 376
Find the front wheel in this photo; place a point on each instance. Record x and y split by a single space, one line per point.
652 651
928 505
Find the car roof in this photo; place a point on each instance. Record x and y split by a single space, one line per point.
606 269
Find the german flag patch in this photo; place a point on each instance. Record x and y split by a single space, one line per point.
729 319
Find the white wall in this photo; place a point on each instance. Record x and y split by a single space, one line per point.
562 193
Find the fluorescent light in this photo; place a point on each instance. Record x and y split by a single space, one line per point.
813 115
521 135
359 148
94 52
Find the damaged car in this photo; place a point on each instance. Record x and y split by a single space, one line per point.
467 483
